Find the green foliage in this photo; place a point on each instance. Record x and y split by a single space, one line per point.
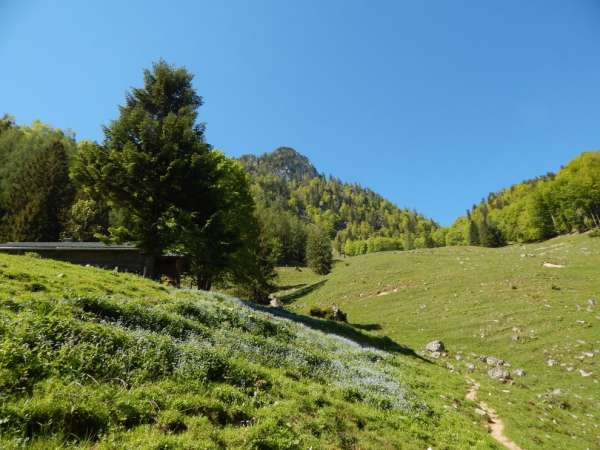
457 233
34 184
371 245
286 185
88 218
328 313
154 158
226 246
38 197
168 190
473 232
538 209
284 235
318 251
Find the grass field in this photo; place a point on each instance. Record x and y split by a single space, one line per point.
104 360
500 302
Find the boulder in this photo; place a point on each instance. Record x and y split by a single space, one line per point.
519 372
498 373
274 302
435 346
553 266
493 361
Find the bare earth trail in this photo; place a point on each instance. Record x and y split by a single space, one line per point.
495 422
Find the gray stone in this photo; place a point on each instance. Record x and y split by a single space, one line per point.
493 361
435 346
274 302
519 372
498 373
470 367
480 412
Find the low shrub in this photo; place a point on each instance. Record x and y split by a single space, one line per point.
329 313
171 421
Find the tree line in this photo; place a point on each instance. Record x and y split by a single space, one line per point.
156 182
537 209
153 181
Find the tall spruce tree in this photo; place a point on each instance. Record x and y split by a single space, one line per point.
153 160
485 235
472 231
319 255
39 196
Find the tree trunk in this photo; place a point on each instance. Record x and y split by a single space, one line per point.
149 271
203 282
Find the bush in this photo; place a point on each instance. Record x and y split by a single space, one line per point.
329 313
315 311
171 422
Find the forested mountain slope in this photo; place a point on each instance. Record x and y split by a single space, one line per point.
537 209
291 193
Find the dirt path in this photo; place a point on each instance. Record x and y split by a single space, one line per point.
496 426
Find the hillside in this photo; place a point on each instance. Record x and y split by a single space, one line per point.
290 192
536 209
98 359
488 302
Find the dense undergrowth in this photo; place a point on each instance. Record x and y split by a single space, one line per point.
90 358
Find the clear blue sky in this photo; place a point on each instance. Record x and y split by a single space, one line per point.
431 103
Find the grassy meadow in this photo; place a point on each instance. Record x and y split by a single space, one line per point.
487 302
104 360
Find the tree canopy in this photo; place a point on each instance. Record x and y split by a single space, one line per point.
537 209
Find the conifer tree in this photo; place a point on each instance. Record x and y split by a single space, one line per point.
485 238
319 255
409 231
38 198
473 231
154 158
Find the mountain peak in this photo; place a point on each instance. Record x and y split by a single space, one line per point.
283 162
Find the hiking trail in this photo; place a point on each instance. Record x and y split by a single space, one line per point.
495 423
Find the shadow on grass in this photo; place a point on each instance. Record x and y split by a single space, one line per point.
301 292
367 326
290 286
345 330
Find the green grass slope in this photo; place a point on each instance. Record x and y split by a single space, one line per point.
500 302
104 360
